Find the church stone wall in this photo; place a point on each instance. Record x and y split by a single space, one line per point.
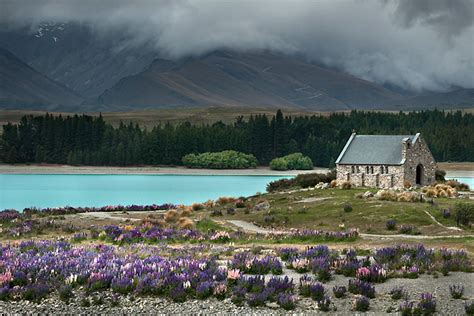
419 154
393 179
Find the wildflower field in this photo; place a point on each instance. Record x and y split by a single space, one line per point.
190 259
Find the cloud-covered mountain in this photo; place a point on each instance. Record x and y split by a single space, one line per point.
74 55
422 45
245 79
309 54
22 86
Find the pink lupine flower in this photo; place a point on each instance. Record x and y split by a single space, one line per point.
5 277
233 274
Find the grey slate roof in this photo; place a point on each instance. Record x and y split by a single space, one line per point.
374 149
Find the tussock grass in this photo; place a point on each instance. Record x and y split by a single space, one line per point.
171 216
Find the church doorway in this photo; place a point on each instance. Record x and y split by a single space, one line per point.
419 174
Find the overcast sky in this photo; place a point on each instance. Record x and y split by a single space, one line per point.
415 44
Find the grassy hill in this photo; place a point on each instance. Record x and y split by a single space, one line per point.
324 209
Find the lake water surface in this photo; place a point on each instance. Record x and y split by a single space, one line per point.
19 191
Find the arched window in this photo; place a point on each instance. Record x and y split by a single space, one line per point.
372 169
367 169
381 169
386 169
353 169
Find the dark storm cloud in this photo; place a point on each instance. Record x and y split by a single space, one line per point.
448 17
415 44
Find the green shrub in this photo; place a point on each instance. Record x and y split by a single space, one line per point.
311 179
347 207
228 159
464 213
439 175
302 180
65 293
295 161
279 164
279 185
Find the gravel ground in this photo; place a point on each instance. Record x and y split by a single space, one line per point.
65 169
157 305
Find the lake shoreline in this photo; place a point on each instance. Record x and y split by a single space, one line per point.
146 170
453 170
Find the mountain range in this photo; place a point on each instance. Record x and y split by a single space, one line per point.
22 86
68 66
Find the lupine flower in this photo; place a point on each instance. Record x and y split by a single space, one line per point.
233 274
456 291
317 291
186 285
426 305
398 292
286 301
406 308
339 291
305 284
220 290
324 304
204 289
300 265
5 278
361 304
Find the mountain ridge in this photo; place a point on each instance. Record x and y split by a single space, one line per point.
21 85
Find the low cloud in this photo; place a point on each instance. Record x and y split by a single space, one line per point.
417 45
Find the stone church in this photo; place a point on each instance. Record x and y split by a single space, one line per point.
386 161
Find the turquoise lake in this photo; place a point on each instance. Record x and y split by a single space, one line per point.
18 191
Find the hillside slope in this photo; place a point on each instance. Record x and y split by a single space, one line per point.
76 56
21 85
245 79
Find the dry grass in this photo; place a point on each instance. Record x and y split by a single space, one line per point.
186 212
171 216
185 223
225 200
387 195
408 196
346 185
209 204
197 206
440 190
154 222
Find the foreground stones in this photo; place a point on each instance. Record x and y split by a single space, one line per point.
131 305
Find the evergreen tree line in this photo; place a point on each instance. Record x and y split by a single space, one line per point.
87 140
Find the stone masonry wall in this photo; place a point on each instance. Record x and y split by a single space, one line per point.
394 178
416 154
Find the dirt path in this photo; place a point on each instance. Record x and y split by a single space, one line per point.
439 224
117 215
150 170
250 227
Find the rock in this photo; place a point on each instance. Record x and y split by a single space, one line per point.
262 206
368 194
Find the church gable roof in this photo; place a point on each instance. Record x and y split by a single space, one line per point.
374 149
